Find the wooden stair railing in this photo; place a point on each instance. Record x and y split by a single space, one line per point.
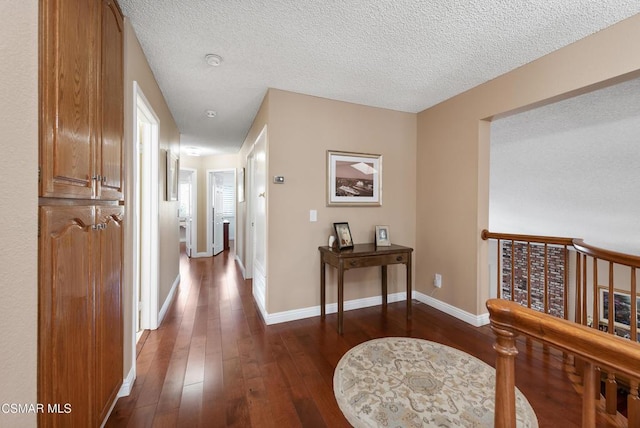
593 270
596 348
531 240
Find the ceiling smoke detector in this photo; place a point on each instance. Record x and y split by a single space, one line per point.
211 113
213 60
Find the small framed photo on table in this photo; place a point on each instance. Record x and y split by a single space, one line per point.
382 236
343 235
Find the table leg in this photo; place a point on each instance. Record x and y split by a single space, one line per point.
340 296
322 289
409 287
384 286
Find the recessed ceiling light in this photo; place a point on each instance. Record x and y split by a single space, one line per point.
211 113
213 60
192 151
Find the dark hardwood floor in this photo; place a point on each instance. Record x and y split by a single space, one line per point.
214 363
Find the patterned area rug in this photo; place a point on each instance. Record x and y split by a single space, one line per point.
406 382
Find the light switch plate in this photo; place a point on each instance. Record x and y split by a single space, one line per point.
313 215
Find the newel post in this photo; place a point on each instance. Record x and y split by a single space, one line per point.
505 399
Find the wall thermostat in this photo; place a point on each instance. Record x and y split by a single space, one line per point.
278 179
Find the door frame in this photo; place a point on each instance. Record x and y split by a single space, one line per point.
248 227
210 182
259 291
145 234
194 206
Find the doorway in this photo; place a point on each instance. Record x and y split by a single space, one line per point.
256 227
221 209
145 214
187 209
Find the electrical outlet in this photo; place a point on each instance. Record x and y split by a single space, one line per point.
437 280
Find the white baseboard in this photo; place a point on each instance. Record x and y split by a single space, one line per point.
241 266
168 300
474 320
258 290
196 255
127 383
124 391
314 311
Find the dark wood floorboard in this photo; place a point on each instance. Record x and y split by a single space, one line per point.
214 363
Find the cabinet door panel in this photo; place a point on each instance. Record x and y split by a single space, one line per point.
68 79
111 102
109 346
66 341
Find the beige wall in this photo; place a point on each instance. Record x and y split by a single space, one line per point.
202 165
300 131
137 69
453 154
19 201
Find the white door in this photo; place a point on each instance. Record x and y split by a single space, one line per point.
145 214
259 199
188 244
218 213
249 220
187 197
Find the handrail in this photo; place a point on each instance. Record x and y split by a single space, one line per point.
577 243
605 350
520 279
608 255
596 348
526 238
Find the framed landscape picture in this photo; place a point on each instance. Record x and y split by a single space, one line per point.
354 179
172 176
621 308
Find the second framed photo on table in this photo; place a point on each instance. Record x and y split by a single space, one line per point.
382 236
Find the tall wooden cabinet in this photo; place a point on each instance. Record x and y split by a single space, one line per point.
80 336
81 96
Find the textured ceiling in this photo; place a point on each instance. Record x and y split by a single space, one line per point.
399 54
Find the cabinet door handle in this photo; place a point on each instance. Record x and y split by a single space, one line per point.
97 178
399 258
353 263
104 179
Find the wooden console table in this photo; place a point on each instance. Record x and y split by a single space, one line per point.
362 255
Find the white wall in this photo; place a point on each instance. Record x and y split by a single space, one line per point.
19 201
571 169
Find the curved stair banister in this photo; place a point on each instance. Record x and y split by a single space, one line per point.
596 348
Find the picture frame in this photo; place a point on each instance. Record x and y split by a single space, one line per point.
172 176
382 236
354 179
621 308
343 235
240 184
618 331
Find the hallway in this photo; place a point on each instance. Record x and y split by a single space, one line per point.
214 363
